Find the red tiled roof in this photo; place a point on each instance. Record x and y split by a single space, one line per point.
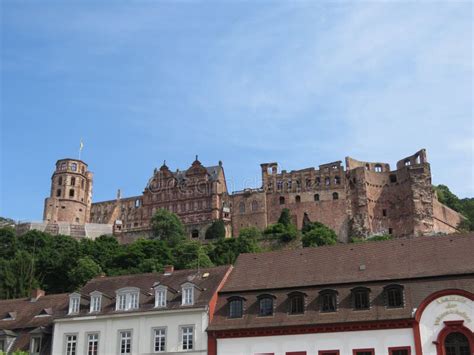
350 263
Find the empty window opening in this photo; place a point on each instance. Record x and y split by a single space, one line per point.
308 182
282 200
77 219
58 192
327 181
137 203
335 196
71 193
378 168
384 212
60 180
316 197
298 199
337 180
393 178
318 181
390 231
367 167
407 163
195 233
73 181
82 183
74 167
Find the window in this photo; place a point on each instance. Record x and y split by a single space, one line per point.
160 297
82 183
242 207
254 206
73 181
71 193
92 344
35 345
187 339
71 344
298 199
328 301
282 200
137 203
394 296
74 303
390 231
393 178
127 300
360 298
265 306
405 350
335 196
159 342
96 301
363 352
188 295
58 193
63 166
316 197
60 180
279 185
236 307
327 181
457 343
407 163
378 168
296 303
367 167
318 181
125 342
308 182
195 233
74 167
328 352
384 212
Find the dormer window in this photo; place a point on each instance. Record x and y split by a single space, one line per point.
96 301
236 307
127 299
394 296
160 296
361 298
296 303
328 300
188 295
265 305
74 303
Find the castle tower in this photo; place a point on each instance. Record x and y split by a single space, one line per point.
71 193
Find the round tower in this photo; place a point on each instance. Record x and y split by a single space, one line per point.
71 193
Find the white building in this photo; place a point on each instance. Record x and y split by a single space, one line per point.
399 297
140 314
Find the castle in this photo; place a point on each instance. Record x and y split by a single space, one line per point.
362 199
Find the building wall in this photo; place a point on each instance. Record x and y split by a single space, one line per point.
345 342
141 325
445 220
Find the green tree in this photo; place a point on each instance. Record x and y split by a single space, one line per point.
190 255
84 270
285 217
17 276
216 230
284 231
318 234
167 226
226 251
8 242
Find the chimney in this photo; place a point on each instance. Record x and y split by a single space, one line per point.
36 293
168 270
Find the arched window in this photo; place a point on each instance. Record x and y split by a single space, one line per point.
394 296
298 199
265 303
82 183
318 181
282 200
236 307
74 167
457 343
360 298
393 178
328 300
378 168
254 206
71 193
316 197
296 303
58 193
242 207
407 162
298 184
367 167
195 233
337 180
335 196
60 180
279 185
327 181
308 182
73 181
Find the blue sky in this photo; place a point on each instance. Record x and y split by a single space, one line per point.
302 83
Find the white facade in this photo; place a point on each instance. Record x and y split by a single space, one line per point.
345 342
140 324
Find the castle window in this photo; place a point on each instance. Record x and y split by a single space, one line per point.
390 231
393 178
242 207
318 181
236 307
360 298
60 180
367 167
384 213
73 166
73 181
328 301
407 163
335 196
77 219
71 193
265 305
337 180
298 184
296 303
195 233
63 166
298 199
254 206
316 197
82 183
394 296
82 169
58 192
290 184
327 181
279 185
308 182
137 203
282 200
378 168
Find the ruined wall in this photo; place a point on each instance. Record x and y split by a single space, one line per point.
249 209
445 220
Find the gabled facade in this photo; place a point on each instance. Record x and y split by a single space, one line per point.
141 314
399 297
